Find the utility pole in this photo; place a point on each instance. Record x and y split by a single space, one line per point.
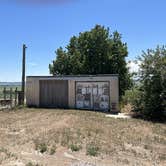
23 74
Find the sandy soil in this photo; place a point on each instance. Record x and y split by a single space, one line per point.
119 141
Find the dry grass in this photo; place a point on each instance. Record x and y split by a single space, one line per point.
64 137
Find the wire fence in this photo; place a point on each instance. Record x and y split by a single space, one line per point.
9 96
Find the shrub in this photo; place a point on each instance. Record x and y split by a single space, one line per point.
153 83
132 97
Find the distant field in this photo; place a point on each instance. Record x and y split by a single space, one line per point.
8 88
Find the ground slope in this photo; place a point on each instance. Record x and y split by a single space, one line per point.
66 137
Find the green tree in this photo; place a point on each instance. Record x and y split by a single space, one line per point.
153 82
94 52
61 64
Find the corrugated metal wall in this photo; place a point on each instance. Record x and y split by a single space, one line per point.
32 92
54 93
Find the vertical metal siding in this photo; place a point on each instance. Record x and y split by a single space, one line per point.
32 92
54 93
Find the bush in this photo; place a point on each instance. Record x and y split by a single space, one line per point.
132 97
150 100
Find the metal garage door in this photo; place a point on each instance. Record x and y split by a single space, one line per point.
54 93
92 95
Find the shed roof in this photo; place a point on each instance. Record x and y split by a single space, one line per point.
70 76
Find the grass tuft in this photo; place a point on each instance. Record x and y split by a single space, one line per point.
40 146
53 150
92 149
75 147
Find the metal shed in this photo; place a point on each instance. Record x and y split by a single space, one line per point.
94 92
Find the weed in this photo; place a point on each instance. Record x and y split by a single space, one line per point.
75 147
52 150
92 149
31 164
40 146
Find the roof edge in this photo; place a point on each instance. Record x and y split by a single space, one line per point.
60 76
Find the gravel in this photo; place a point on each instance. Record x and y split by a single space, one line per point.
83 164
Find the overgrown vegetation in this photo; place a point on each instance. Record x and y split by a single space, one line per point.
132 97
153 83
94 52
148 96
99 52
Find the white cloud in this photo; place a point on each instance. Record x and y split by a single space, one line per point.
133 66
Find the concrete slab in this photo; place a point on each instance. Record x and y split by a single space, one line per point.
119 115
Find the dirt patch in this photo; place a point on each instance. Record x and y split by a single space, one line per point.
74 138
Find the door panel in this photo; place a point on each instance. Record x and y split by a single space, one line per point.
92 95
54 93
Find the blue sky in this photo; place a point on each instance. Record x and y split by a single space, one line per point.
44 27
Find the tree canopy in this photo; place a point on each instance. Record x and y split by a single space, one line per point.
94 52
153 82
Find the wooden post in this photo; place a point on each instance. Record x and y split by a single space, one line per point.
4 93
11 91
15 97
23 74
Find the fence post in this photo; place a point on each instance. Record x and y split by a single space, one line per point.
11 91
15 97
4 93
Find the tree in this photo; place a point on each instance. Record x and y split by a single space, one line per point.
153 82
94 52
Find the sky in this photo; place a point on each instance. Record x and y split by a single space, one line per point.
45 25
